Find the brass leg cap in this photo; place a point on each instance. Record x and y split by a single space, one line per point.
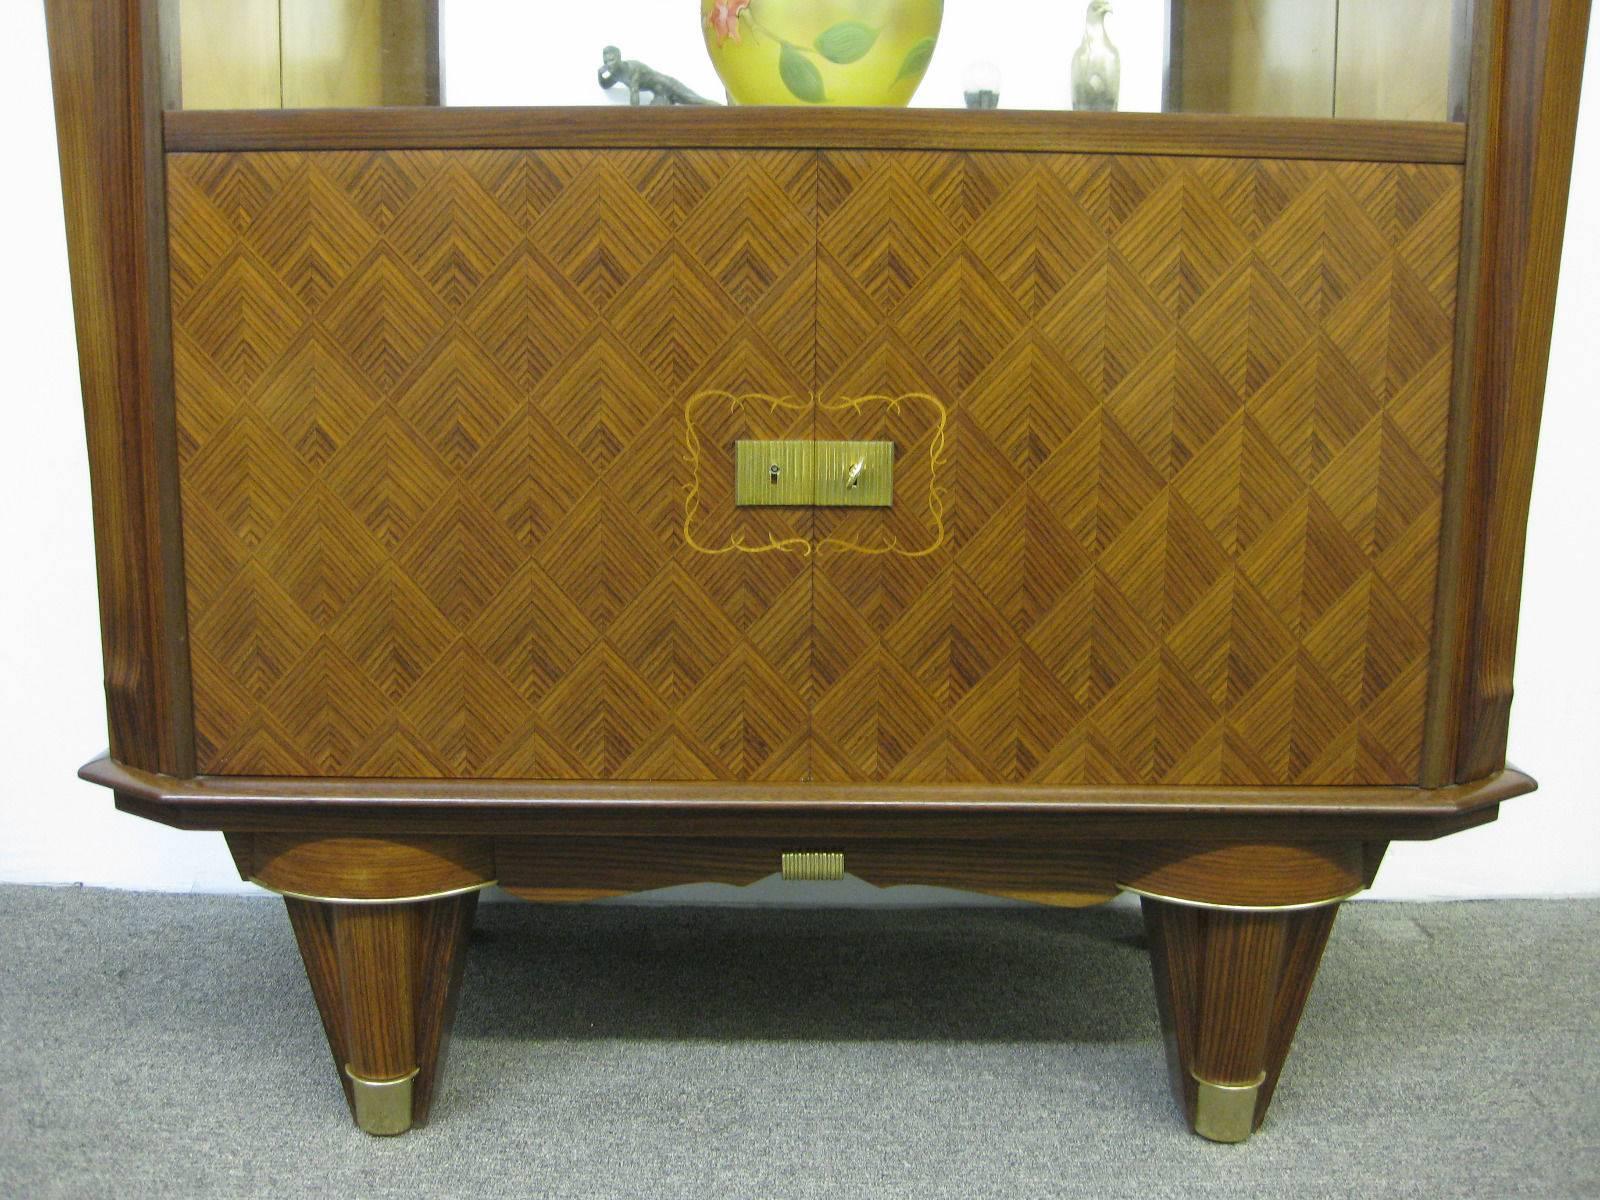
1226 1112
383 1106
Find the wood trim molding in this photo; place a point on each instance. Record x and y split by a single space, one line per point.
106 70
1262 875
651 809
358 869
824 129
1528 67
1068 874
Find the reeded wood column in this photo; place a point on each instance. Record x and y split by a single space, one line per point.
382 928
1236 935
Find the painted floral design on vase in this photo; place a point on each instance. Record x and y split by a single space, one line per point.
870 52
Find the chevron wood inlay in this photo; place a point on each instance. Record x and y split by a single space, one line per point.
431 412
1169 513
1196 411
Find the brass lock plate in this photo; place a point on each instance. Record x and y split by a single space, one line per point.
768 473
800 474
855 474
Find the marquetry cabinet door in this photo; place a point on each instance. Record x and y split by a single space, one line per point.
457 431
441 514
1170 454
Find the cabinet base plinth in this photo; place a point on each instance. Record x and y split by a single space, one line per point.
1236 930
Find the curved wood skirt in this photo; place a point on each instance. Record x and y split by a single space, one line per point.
381 879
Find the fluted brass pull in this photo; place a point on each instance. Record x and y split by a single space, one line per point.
813 866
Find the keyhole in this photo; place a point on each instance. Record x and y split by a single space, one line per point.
774 474
853 479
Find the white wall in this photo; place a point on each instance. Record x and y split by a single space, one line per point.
55 829
511 52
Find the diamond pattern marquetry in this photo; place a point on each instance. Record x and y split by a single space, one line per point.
1191 497
456 437
432 430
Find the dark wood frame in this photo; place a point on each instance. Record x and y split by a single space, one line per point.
1527 68
105 62
1231 985
806 809
814 129
432 52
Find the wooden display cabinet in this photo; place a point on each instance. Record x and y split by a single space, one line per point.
413 435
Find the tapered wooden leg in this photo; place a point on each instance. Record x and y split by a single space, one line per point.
442 946
1231 985
1304 941
313 931
385 977
382 925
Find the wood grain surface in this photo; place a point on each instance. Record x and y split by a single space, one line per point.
385 980
600 127
1529 68
1167 508
1188 459
1262 874
313 934
354 868
1303 943
433 430
1230 988
1067 874
105 66
444 929
375 947
1239 983
807 811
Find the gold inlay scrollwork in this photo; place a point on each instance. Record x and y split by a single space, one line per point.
938 454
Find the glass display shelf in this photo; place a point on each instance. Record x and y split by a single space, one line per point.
1392 60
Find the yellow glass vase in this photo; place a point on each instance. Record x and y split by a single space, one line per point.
871 52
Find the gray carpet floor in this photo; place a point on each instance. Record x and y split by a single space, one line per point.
167 1046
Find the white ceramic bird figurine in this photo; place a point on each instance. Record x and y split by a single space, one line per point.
1097 66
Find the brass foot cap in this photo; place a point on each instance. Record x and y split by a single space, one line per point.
1225 1112
383 1106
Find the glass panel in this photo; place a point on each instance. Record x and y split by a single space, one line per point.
1397 59
1401 60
